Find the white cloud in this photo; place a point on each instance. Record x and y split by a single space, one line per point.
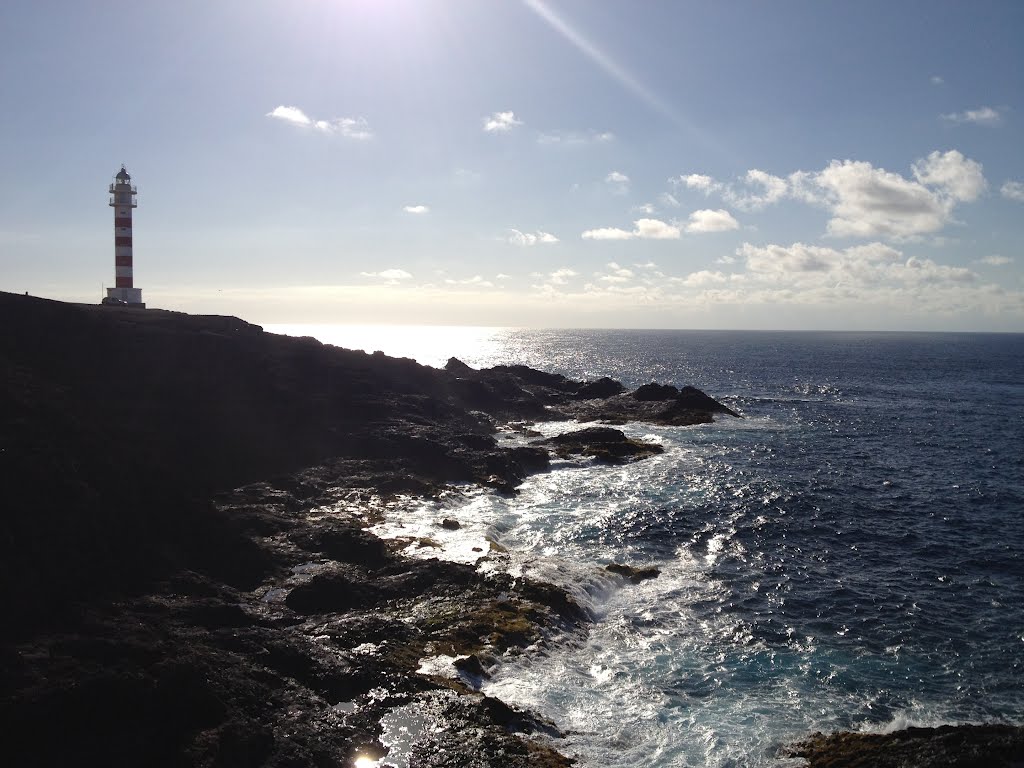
666 199
417 209
607 233
620 272
782 259
711 221
859 269
290 115
980 116
803 186
561 276
996 260
874 253
575 138
350 127
871 202
619 182
654 229
1013 190
772 189
702 279
936 80
700 181
754 191
954 175
927 271
477 281
864 201
501 122
390 275
643 229
531 238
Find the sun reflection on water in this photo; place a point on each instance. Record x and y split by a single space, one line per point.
426 344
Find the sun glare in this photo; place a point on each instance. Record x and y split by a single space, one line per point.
426 344
618 72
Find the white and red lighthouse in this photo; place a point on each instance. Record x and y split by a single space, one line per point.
122 200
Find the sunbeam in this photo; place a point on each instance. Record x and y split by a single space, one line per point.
619 73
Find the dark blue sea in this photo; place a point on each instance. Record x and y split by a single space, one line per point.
848 555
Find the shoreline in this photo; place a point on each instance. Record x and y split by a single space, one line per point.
248 626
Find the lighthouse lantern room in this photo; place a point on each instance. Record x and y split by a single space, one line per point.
122 200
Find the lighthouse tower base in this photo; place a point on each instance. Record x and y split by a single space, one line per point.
131 296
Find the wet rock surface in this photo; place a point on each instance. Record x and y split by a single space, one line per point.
632 573
604 444
965 746
298 670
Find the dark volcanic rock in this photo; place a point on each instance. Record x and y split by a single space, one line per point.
531 459
632 573
692 399
657 404
116 423
528 375
472 666
599 389
344 544
603 443
332 592
654 391
964 746
454 365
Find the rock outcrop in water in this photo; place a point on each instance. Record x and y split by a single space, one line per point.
604 444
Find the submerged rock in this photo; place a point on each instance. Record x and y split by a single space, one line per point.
632 573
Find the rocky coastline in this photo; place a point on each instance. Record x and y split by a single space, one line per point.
186 571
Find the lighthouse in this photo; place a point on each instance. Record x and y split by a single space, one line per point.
122 200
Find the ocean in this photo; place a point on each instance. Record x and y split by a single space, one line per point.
848 555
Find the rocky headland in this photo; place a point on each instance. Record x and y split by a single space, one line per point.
187 579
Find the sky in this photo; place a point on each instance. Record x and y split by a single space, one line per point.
743 164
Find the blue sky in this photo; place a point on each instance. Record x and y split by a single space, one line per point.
524 162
